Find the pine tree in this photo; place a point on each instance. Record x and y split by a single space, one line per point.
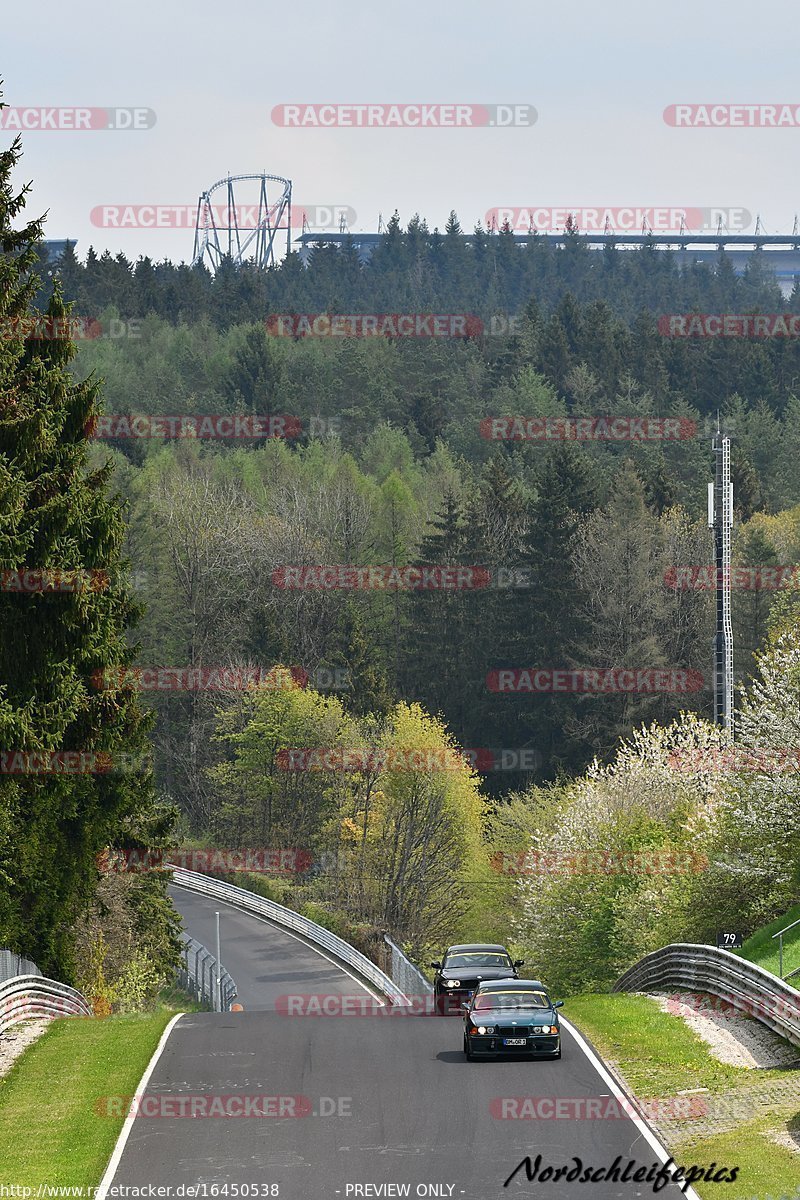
56 516
438 659
549 618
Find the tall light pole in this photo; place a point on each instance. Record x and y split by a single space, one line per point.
720 519
218 987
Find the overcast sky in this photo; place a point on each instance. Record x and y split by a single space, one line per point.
599 77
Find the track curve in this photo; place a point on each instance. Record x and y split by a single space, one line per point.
373 1106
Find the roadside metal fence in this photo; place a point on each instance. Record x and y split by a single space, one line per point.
12 964
693 968
198 975
405 974
304 928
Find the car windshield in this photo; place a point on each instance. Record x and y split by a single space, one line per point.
510 999
479 958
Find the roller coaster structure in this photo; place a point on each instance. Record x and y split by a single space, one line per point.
241 232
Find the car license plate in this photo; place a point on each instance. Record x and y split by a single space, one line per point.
513 1041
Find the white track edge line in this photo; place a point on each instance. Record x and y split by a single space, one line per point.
649 1134
308 944
124 1133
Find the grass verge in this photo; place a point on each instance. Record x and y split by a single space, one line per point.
774 1168
761 949
659 1056
50 1130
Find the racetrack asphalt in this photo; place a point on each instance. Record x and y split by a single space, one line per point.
358 1106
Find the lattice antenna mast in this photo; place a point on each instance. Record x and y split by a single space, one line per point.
720 519
243 232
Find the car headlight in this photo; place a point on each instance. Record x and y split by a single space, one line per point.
452 983
486 1029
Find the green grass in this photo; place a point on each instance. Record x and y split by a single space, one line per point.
776 1170
50 1131
656 1051
178 1000
659 1056
761 949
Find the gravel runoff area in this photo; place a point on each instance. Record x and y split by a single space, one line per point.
732 1036
18 1038
740 1040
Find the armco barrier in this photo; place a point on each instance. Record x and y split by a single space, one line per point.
693 968
308 930
29 996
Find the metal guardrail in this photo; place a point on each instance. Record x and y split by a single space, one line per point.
12 964
779 935
198 975
405 974
28 996
694 968
316 934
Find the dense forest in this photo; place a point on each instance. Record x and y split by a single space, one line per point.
390 464
581 548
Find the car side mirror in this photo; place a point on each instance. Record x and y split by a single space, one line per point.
558 1004
438 965
465 1006
519 962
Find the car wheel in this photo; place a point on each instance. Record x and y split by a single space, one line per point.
557 1053
467 1051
